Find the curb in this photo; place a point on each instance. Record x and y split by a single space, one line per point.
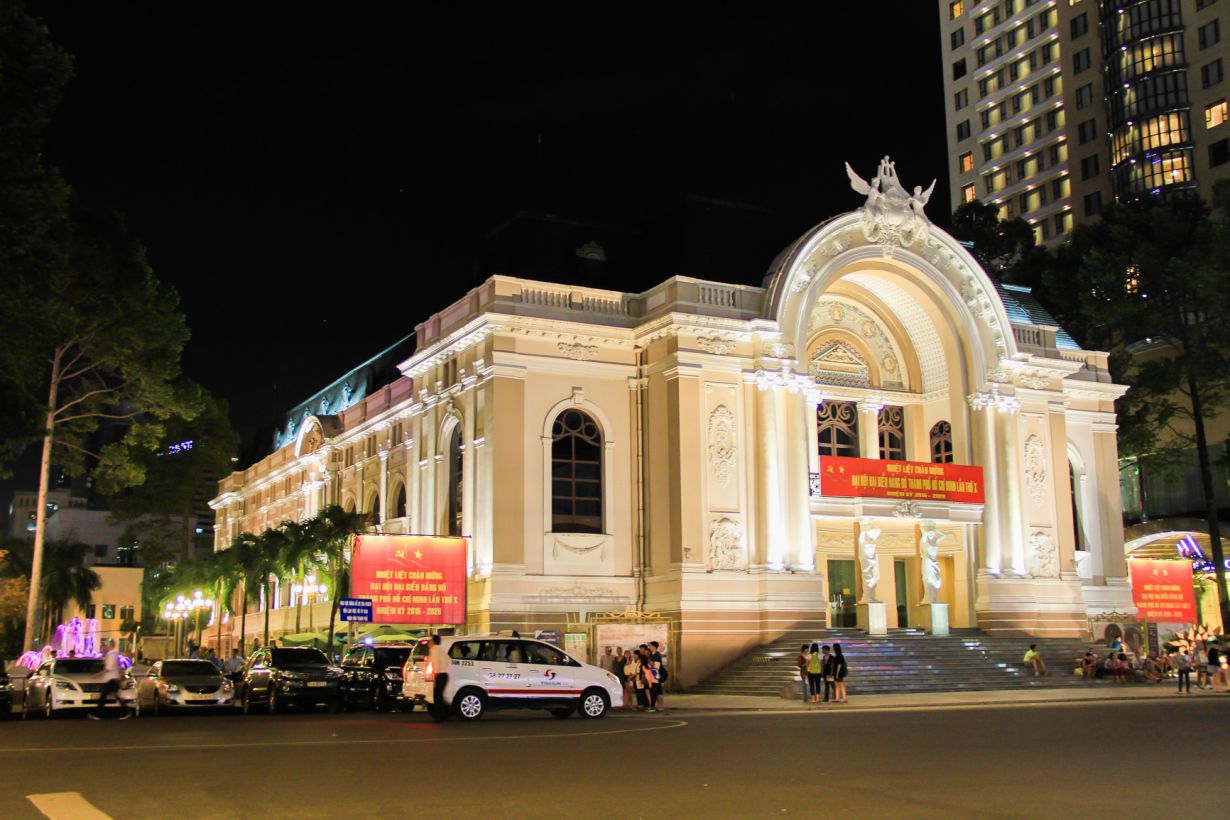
866 707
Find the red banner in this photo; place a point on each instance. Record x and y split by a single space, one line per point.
876 478
411 579
1162 591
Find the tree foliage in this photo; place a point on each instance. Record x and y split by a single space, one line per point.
1004 248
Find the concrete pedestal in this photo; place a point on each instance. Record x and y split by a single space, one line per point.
939 618
873 618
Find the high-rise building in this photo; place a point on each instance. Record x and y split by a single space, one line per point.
1056 107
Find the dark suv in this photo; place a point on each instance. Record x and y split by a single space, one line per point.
278 677
371 677
6 693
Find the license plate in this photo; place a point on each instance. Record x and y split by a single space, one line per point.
318 683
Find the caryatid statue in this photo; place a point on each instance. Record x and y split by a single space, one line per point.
930 547
869 561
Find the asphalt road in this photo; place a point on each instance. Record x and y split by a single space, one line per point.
1088 760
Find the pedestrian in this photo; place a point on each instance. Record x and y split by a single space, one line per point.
630 674
800 663
1183 663
1201 658
233 665
658 656
439 662
215 659
827 669
1217 674
815 671
653 683
112 676
840 670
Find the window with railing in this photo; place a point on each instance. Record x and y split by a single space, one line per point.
941 443
892 433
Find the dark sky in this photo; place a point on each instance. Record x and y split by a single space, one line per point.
316 179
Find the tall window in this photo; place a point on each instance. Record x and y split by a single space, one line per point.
576 473
455 481
400 511
941 443
375 511
1076 509
837 425
892 434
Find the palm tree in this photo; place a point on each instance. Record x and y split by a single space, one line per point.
299 556
333 530
265 565
242 558
66 578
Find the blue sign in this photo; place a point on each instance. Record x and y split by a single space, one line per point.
356 610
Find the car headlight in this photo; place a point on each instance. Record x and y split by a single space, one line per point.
227 686
6 686
294 675
129 683
172 688
61 683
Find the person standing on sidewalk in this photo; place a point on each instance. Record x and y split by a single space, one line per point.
827 669
800 663
112 675
1183 663
815 666
840 671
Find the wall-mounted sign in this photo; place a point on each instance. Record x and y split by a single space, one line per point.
1162 590
921 480
411 579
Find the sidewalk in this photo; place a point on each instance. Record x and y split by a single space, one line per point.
1094 693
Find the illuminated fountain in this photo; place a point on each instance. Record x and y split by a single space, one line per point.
77 638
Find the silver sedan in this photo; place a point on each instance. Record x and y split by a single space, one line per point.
182 685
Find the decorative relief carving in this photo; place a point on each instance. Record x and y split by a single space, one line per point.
579 590
830 313
1045 558
578 351
1035 467
1034 381
722 444
907 509
779 350
579 545
726 545
312 440
715 344
869 563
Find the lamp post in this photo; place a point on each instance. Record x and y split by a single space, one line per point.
181 609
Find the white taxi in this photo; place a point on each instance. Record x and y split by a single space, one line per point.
496 672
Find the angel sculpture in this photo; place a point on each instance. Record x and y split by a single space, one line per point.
870 563
871 190
931 538
891 214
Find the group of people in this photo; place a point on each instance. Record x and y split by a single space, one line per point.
642 671
1177 660
823 670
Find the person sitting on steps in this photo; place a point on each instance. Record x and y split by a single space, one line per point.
1033 658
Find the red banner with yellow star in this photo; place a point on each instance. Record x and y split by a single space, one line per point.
921 480
410 579
1162 591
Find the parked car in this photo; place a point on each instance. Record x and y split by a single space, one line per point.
279 677
66 684
508 673
371 677
182 684
6 695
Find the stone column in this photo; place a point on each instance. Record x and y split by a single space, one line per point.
771 514
1014 513
869 428
802 556
384 485
986 455
1109 509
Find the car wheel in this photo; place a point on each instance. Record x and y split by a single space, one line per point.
49 708
563 712
380 701
246 703
157 710
136 706
594 703
337 705
274 706
25 705
469 704
438 711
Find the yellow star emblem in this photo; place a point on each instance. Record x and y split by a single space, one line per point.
418 554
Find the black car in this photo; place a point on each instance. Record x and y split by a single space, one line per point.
279 677
371 677
6 695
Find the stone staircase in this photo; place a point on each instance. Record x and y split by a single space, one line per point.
907 660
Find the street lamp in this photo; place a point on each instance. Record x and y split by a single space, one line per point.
181 609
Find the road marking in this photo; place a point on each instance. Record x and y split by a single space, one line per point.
66 806
671 724
954 707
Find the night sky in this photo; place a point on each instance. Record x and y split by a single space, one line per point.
315 180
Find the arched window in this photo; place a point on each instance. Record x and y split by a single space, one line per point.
892 434
375 511
455 479
1073 487
400 511
838 428
941 443
576 473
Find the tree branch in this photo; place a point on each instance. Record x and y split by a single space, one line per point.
83 397
108 416
79 449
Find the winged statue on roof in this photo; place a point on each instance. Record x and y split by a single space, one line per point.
891 214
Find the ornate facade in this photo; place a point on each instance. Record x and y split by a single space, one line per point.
660 450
